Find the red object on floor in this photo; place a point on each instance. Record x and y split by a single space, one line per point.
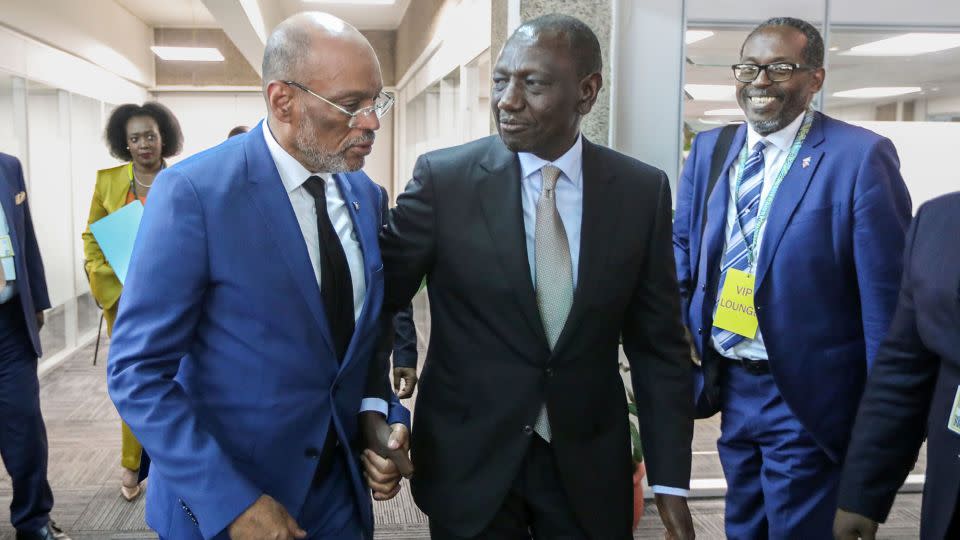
638 475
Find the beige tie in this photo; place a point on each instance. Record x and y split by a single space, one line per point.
554 273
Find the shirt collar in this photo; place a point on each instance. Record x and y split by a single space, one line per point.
782 139
292 173
570 163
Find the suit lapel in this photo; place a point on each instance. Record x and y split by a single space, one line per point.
601 212
788 197
367 243
499 189
271 199
713 234
7 194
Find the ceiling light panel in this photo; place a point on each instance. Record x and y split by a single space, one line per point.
693 36
874 92
910 44
188 54
712 92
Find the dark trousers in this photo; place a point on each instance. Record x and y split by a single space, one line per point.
535 507
780 483
23 437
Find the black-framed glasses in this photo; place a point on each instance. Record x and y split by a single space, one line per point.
776 72
380 107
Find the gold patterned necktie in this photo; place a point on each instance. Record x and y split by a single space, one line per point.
554 272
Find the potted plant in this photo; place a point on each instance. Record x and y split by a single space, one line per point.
639 469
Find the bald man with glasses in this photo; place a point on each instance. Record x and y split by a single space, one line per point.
245 357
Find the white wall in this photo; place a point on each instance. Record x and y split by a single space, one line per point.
925 150
99 31
207 117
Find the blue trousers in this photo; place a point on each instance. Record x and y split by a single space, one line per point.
23 436
780 483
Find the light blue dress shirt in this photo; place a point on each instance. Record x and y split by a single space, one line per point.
9 269
569 195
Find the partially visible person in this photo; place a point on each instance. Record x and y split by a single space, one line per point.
142 136
239 130
788 240
404 337
23 297
914 390
243 355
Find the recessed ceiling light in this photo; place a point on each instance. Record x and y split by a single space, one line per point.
693 36
834 49
724 112
712 92
877 92
718 122
907 45
354 2
190 54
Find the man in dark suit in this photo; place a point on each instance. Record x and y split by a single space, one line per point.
789 285
913 391
540 250
23 297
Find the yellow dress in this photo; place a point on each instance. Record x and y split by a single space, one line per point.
112 192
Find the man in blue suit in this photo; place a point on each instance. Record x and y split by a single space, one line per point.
913 391
242 354
23 297
788 268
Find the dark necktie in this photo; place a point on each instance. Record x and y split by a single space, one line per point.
336 286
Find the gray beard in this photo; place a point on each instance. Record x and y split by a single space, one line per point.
317 158
766 127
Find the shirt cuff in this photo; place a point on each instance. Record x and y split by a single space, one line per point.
664 490
374 405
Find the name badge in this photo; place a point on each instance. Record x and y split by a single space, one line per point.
953 423
735 310
6 247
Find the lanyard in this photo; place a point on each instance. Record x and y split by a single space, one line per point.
765 207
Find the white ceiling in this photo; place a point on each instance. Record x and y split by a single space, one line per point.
937 73
193 13
170 13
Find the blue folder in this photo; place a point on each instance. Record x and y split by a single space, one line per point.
116 234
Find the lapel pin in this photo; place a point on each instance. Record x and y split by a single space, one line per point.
806 162
356 206
20 197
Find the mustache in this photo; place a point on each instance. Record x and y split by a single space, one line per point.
750 92
366 137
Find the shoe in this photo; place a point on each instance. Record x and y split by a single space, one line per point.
129 486
50 531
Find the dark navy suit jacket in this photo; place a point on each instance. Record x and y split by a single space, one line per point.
31 281
915 380
222 359
827 272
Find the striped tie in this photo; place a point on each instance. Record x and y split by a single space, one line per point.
748 205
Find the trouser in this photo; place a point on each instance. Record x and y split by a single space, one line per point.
535 507
23 436
130 448
780 483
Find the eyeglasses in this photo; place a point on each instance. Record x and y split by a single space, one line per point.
380 107
778 72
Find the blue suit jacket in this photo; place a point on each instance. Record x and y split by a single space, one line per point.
911 391
222 360
31 281
827 272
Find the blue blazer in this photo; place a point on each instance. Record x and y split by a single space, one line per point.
222 359
31 281
911 391
827 272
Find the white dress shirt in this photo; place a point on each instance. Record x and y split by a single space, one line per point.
293 174
569 197
774 156
9 269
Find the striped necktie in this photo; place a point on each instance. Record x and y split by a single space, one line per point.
741 237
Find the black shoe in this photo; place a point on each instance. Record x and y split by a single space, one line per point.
50 531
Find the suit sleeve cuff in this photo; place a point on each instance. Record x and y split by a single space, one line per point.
664 490
374 405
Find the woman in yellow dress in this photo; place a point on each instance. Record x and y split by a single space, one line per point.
141 135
